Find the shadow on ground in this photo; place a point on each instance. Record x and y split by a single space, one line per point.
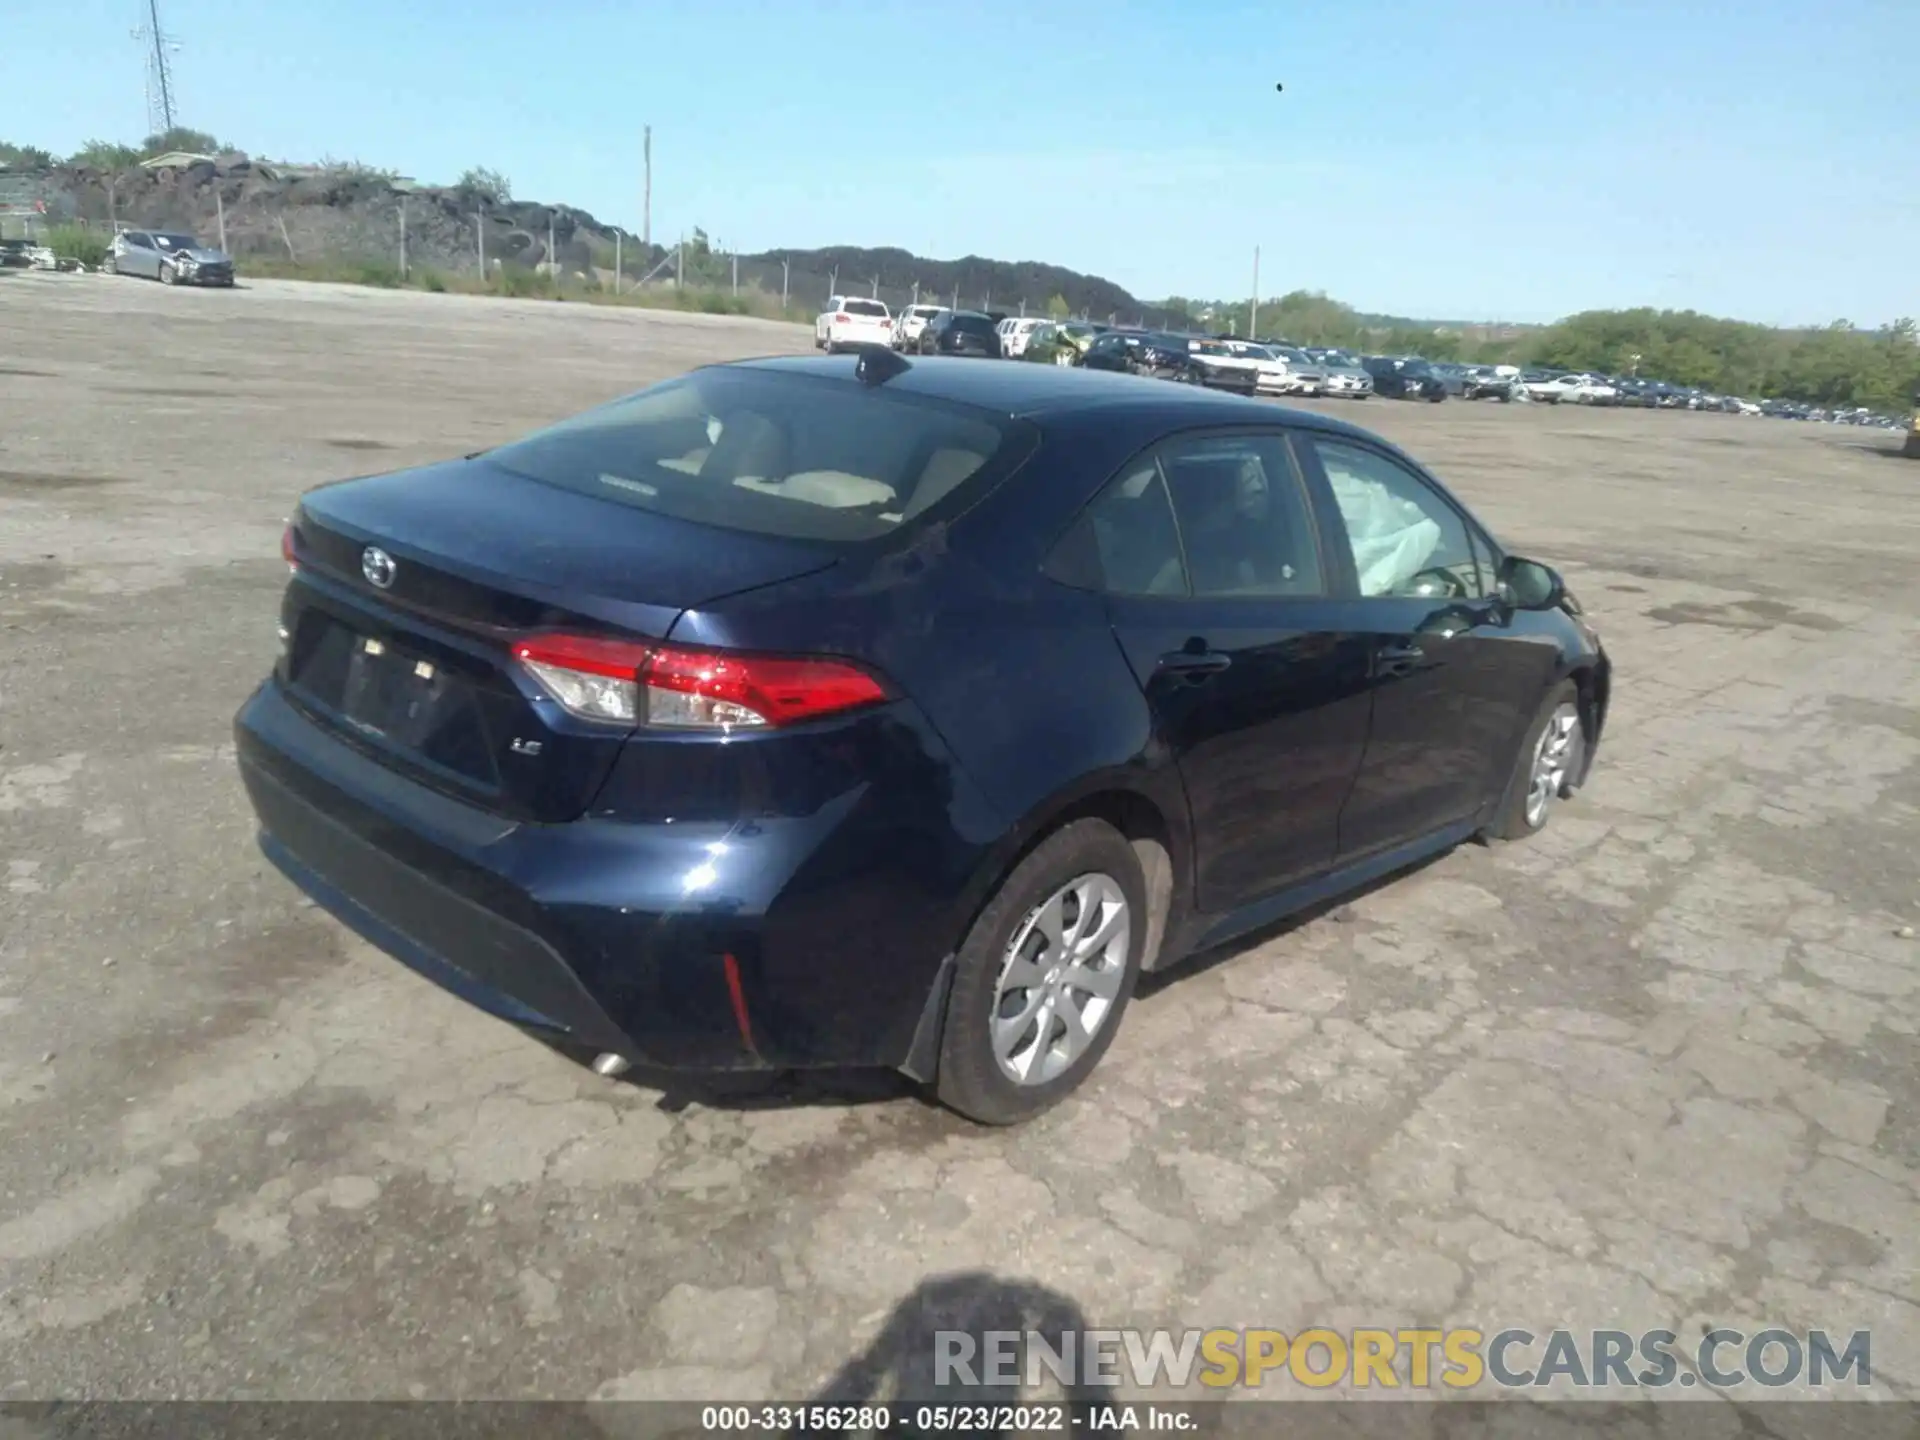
949 1317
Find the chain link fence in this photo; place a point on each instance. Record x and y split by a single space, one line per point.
351 224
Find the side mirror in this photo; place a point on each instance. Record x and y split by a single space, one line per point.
1529 585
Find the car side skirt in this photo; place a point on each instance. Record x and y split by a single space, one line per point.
1203 932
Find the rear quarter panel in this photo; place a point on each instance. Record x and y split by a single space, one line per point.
1019 676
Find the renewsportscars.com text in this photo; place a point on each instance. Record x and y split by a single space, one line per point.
1418 1359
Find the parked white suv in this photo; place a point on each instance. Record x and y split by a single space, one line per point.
1015 332
852 320
910 322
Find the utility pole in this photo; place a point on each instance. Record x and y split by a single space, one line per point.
786 274
876 287
616 262
553 262
646 197
1253 309
403 237
680 262
220 211
736 273
480 232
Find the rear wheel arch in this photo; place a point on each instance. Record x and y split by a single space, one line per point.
1593 681
1160 848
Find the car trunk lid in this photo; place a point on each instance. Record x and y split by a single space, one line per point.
412 588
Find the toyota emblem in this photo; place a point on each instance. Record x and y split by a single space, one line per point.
378 567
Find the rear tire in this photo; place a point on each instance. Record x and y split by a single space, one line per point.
1007 1052
1546 768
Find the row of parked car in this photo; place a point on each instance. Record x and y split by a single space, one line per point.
1264 366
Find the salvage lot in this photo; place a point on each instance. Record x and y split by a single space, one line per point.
1655 1068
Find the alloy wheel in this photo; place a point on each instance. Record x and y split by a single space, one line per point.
1553 762
1061 976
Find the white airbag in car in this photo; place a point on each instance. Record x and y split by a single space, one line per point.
1392 538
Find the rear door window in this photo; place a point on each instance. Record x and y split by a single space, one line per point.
1244 522
1204 516
1134 535
775 454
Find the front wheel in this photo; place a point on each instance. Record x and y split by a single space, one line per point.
1063 357
1044 976
168 275
1546 769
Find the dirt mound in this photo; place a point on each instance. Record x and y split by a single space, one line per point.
337 215
343 217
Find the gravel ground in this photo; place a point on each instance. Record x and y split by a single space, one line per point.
1654 1069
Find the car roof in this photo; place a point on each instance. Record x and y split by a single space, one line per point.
1016 388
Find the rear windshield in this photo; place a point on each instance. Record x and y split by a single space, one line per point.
865 307
975 324
786 455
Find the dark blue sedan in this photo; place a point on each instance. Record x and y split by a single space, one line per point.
866 711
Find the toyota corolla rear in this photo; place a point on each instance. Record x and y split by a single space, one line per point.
491 748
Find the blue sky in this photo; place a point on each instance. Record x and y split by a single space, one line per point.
1516 161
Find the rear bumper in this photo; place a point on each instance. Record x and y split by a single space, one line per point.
600 932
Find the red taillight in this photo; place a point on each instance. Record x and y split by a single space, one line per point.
709 687
594 679
672 686
287 552
840 319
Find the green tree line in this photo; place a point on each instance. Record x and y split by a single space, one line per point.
1837 364
110 154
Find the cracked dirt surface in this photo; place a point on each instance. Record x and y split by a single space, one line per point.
1656 1068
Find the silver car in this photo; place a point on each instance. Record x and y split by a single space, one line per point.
1343 375
169 257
